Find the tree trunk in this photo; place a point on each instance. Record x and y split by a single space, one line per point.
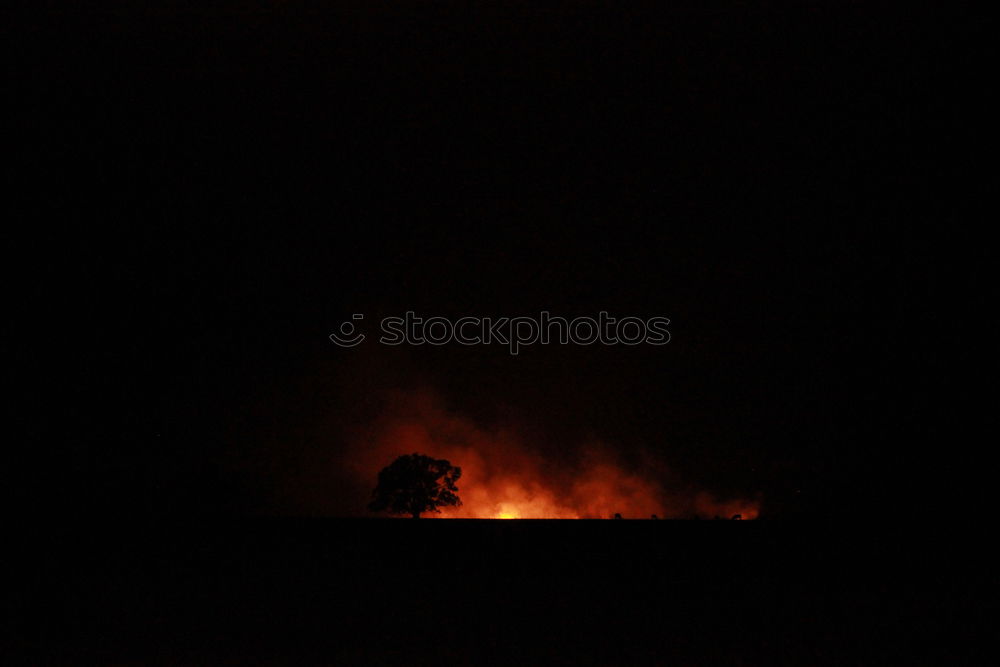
416 515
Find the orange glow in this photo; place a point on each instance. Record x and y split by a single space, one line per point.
503 478
508 511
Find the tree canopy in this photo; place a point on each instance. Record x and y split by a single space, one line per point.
416 483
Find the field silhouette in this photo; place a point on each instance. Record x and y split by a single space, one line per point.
476 592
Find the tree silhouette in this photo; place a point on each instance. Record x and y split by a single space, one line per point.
415 483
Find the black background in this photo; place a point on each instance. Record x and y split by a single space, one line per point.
209 192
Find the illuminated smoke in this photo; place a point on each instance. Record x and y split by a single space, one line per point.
504 477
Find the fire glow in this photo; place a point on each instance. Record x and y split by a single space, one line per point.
502 478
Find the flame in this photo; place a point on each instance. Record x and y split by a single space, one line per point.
508 511
504 478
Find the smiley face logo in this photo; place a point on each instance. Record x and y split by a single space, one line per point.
348 337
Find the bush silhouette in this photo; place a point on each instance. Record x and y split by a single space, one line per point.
415 483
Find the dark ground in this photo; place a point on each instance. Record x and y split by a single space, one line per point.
498 593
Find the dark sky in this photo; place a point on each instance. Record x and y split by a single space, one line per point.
221 188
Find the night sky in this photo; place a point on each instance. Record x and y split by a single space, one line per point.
222 188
